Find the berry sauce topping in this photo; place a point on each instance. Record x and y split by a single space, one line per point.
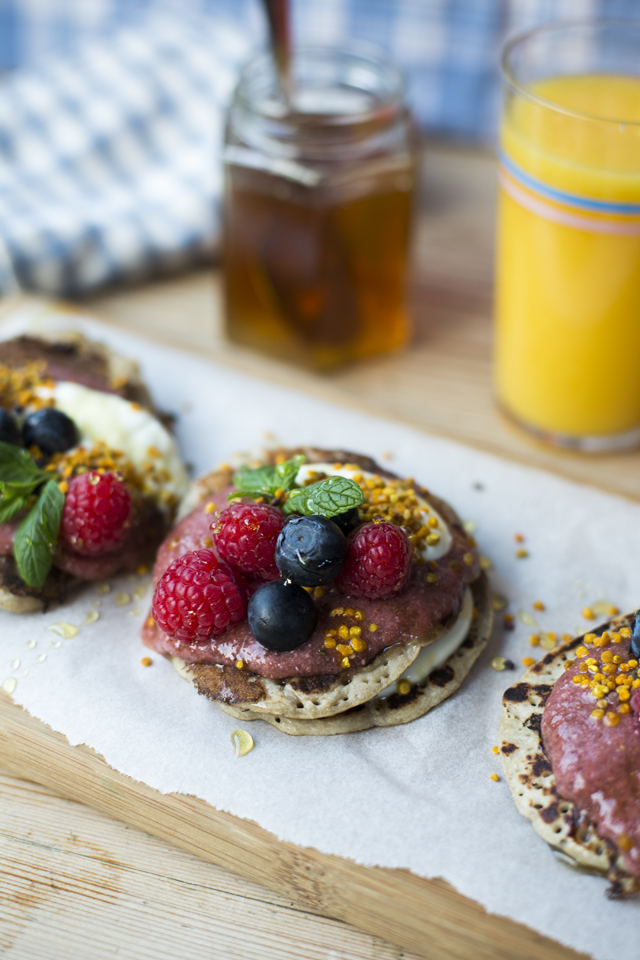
245 535
378 563
51 430
591 733
311 551
282 616
350 632
197 599
97 514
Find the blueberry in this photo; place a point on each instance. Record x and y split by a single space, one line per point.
311 550
634 649
9 429
348 521
282 616
51 430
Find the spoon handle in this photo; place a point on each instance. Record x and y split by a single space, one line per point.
278 14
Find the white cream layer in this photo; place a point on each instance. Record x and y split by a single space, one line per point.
432 552
127 427
436 654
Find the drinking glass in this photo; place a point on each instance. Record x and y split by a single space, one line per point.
568 246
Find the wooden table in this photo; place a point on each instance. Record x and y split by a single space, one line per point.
76 883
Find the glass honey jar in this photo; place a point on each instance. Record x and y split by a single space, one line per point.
318 199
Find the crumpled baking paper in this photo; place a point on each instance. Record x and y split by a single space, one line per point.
418 796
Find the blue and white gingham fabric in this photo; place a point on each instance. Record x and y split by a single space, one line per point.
112 111
108 160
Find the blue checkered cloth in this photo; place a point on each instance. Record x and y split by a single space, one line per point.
111 115
108 164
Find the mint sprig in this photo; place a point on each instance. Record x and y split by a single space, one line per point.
329 497
12 503
37 535
20 476
18 468
266 481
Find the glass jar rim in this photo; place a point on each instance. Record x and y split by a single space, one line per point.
557 26
392 99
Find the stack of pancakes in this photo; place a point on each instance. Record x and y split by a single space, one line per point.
365 695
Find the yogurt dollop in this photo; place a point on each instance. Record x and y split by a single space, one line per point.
436 654
127 427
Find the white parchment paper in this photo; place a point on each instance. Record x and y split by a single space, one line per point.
417 796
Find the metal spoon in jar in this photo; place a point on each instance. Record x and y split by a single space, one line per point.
278 15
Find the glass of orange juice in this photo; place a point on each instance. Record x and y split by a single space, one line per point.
568 249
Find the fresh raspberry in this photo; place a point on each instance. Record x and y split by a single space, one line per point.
196 598
245 535
97 514
378 562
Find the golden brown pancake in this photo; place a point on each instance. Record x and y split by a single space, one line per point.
531 780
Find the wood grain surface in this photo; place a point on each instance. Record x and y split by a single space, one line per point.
425 916
76 884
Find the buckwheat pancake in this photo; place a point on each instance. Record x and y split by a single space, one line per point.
391 710
69 355
323 699
63 369
529 774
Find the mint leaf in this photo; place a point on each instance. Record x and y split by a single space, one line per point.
37 535
258 480
328 497
19 477
11 503
265 481
287 472
18 467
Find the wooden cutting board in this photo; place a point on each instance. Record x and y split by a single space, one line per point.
426 916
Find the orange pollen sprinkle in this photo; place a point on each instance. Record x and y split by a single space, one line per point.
19 387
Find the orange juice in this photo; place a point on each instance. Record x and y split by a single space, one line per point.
568 282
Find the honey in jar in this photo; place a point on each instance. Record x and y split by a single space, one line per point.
318 201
